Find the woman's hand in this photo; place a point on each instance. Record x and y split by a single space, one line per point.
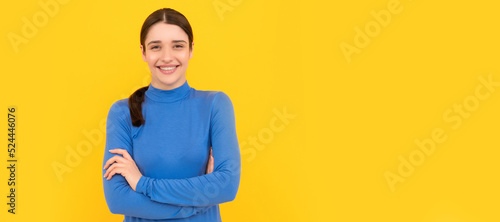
123 165
210 164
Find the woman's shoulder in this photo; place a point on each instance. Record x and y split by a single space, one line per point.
120 104
119 107
211 95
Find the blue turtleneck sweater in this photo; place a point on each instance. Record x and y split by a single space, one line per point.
171 150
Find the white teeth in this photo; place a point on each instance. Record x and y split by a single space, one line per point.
168 68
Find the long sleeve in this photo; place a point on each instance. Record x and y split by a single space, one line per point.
120 197
214 188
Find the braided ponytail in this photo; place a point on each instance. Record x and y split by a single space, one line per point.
135 105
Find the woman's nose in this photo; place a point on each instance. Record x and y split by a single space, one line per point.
166 55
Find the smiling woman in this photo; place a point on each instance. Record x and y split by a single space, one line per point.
171 151
169 50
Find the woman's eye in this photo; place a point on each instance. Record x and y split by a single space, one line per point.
155 47
178 46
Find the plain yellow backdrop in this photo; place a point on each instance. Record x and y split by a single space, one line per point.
360 82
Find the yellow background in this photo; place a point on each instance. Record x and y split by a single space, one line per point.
353 120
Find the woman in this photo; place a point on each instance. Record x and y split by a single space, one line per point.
158 162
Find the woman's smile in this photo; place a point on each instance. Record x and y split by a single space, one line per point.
167 69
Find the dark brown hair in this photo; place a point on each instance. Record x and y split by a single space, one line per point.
168 16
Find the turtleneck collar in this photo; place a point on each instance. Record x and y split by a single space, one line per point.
172 95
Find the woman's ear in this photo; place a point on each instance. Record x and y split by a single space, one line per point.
143 53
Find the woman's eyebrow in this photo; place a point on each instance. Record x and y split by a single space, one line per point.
156 41
177 41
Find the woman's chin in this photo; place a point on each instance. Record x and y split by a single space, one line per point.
169 82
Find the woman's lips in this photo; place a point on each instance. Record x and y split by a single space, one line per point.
167 69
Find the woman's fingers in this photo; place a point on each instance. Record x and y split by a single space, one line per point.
112 160
210 164
110 169
114 169
123 152
123 165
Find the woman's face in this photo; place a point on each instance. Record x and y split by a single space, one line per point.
167 53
